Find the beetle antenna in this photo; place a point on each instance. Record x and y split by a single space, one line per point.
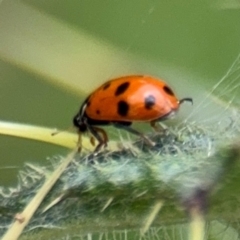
60 131
185 100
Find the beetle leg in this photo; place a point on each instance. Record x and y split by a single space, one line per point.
92 141
158 127
134 131
102 140
154 126
104 135
79 142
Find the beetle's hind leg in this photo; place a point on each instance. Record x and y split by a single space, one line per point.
154 124
158 127
126 126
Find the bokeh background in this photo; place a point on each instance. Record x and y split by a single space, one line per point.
53 53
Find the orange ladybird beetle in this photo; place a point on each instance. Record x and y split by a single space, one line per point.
124 100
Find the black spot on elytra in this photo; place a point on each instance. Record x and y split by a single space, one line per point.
122 88
149 101
98 112
168 90
123 108
106 86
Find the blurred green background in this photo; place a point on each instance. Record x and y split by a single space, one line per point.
53 53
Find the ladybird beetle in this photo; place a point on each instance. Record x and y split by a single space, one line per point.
124 100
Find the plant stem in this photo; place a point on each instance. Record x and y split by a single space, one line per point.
23 218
